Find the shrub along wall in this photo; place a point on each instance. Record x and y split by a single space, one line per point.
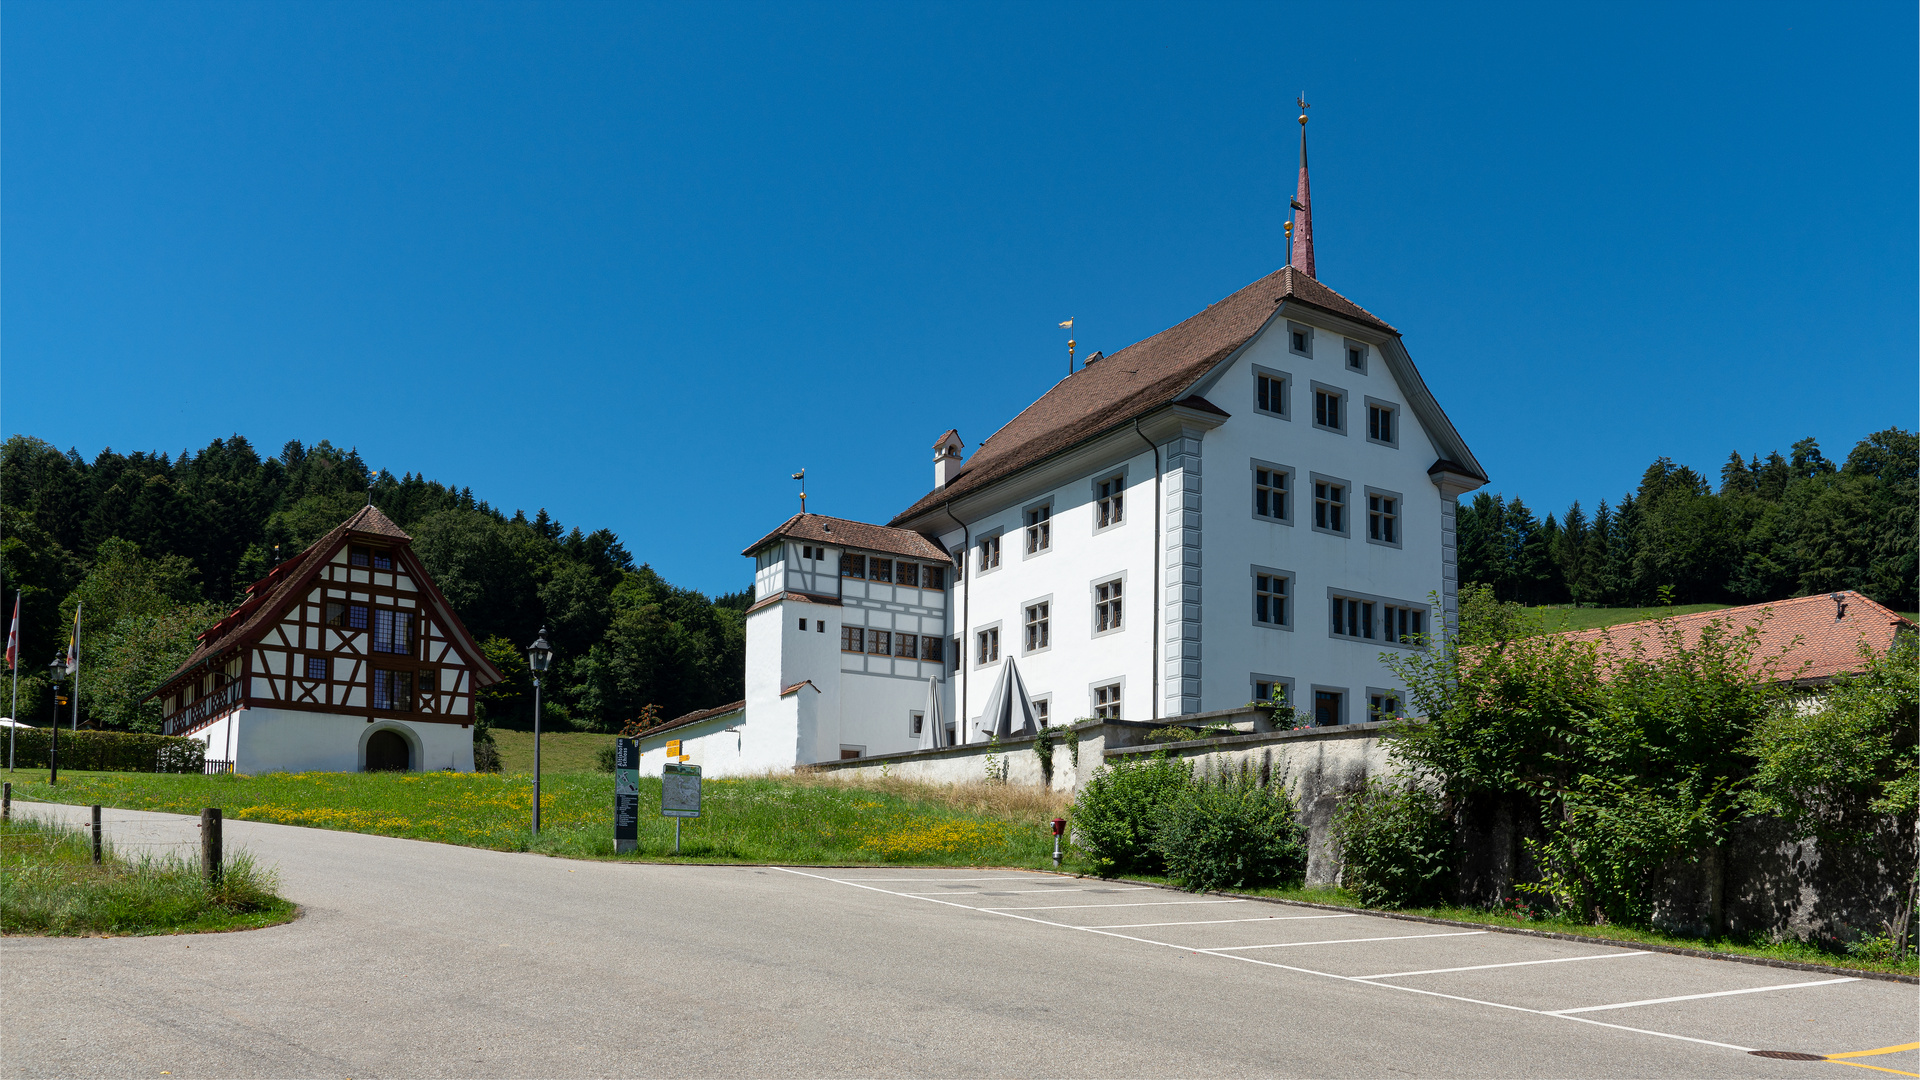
108 751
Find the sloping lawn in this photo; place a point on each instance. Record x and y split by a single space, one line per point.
1556 618
759 820
565 751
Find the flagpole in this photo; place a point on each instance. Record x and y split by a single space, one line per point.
13 655
75 724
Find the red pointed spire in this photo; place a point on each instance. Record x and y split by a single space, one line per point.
1301 257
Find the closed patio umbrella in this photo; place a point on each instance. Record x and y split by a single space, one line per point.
1009 710
933 729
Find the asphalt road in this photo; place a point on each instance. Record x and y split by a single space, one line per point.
417 959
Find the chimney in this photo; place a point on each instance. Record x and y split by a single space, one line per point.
946 459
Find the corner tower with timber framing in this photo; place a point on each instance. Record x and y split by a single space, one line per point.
345 658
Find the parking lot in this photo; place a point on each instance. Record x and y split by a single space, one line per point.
1774 1014
419 959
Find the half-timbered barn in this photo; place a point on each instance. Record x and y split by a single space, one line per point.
345 658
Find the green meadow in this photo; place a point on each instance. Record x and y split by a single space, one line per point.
755 820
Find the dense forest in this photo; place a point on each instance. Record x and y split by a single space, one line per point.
158 548
1776 527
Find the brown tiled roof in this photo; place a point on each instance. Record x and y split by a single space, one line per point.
694 718
1803 636
805 598
857 535
1138 379
268 598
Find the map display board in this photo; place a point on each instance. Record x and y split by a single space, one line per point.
680 790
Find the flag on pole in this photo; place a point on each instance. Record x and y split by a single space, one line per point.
1068 325
73 643
13 636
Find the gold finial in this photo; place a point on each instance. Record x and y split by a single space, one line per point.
1289 227
1302 102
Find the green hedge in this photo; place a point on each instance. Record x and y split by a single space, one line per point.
108 751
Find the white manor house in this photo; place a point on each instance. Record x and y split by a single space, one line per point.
1260 497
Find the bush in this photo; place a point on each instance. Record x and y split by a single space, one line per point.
108 751
1396 845
1116 817
603 758
1231 833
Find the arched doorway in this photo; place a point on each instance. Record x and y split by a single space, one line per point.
387 751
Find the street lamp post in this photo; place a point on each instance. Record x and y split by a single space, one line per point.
57 669
539 655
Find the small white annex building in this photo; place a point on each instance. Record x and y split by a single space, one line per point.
345 658
1258 500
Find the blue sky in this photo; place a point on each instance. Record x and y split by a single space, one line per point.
636 264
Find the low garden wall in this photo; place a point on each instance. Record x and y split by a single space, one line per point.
1761 881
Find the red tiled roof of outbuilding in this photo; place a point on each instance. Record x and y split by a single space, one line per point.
1813 638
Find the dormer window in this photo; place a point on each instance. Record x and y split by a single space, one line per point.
377 558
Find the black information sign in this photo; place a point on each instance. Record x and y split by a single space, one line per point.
626 794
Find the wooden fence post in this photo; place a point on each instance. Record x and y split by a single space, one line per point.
210 844
6 801
96 834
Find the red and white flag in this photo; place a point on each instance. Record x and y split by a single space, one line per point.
13 636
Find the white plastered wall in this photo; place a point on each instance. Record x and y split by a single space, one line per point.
261 741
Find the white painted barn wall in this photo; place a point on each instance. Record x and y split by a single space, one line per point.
260 741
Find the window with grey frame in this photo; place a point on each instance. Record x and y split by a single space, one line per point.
1330 505
989 552
1264 686
1368 618
1300 339
1356 356
1272 593
1383 704
1383 422
1039 626
1329 408
988 645
916 724
1043 711
1270 392
1273 493
1383 517
1110 498
1107 606
1106 701
1039 528
879 642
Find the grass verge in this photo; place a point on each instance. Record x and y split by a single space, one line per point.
1789 950
565 751
803 819
49 885
1558 618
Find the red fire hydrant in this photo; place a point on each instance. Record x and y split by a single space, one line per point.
1059 827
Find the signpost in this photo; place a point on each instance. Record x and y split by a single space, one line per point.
626 795
679 795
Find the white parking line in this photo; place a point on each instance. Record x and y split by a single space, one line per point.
1696 997
1517 963
1015 892
1024 879
1340 941
1150 903
1210 922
